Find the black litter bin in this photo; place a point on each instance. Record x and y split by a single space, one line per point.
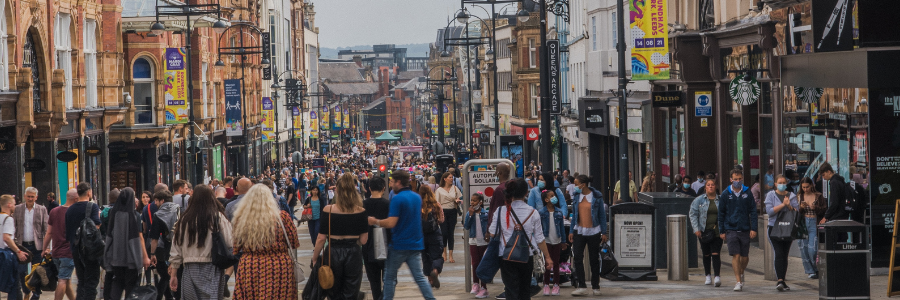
843 260
670 204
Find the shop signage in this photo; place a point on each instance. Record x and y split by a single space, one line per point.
66 156
268 120
175 87
593 118
833 25
742 91
266 54
92 151
649 31
703 104
553 62
7 146
885 159
808 95
234 125
532 134
165 158
116 146
667 99
34 164
704 122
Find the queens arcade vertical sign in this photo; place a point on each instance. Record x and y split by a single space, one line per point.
553 62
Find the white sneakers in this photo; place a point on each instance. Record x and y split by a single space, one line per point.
738 287
580 292
718 281
596 292
708 280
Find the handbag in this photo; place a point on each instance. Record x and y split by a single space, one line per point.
785 227
802 232
144 292
518 245
306 215
708 235
326 276
609 266
379 243
490 261
222 255
298 272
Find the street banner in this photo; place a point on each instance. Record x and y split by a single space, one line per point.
337 118
553 61
434 120
346 117
446 120
325 123
268 120
649 33
313 125
233 118
297 121
175 87
267 71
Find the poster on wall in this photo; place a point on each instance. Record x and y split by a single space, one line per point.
268 120
649 33
885 154
174 87
313 125
234 126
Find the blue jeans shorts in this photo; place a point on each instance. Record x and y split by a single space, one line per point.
65 267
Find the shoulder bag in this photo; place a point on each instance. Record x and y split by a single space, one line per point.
709 235
326 276
298 272
222 254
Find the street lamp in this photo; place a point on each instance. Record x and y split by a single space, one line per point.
523 16
462 17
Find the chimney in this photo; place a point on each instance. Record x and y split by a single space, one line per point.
358 60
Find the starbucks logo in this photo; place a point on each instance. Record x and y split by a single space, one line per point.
808 95
744 90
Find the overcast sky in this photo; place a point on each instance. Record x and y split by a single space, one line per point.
344 23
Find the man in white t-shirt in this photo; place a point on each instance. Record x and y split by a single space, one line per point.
8 230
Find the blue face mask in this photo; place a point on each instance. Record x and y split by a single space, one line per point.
553 200
736 185
540 185
781 187
577 190
686 185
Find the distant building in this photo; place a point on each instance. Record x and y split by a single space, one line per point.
380 56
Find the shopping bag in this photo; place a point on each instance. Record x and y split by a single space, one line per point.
802 231
380 243
785 227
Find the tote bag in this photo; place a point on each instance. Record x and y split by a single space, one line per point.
379 243
785 227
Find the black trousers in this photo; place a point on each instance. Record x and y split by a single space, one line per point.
375 274
124 280
448 228
592 242
162 267
432 258
781 249
346 265
517 279
88 273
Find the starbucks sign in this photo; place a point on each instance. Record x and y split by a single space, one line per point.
744 92
808 95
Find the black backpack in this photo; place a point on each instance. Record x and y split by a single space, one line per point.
88 239
430 224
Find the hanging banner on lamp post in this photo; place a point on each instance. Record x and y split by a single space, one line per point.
649 33
346 117
434 119
337 118
175 87
553 61
268 120
233 118
325 123
313 125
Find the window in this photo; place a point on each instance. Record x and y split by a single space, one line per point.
532 53
63 45
4 55
535 100
504 81
615 37
594 33
203 82
90 62
142 73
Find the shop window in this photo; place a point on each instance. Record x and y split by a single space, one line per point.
142 73
203 82
615 33
30 60
4 54
90 62
63 45
594 33
532 53
535 98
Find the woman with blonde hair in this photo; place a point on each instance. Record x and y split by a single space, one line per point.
261 230
346 227
432 183
432 220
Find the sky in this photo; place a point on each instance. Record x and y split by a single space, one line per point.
344 23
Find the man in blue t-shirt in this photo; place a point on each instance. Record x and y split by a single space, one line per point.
407 243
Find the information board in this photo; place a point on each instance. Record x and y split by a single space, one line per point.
634 240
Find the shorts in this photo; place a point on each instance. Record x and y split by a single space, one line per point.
738 243
65 267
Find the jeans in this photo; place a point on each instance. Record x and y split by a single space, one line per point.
552 275
710 260
592 242
24 268
313 230
88 273
808 248
516 277
413 260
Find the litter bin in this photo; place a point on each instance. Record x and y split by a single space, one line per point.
670 204
843 260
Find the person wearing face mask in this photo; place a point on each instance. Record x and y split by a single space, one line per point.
552 214
704 215
685 187
534 196
777 201
476 222
737 224
588 230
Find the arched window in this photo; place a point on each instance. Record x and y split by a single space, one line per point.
63 46
90 62
4 52
142 73
30 60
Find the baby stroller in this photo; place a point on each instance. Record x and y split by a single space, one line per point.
43 276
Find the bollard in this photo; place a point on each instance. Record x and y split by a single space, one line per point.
676 248
768 252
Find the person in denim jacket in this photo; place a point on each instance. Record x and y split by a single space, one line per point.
588 230
704 216
476 222
534 195
552 222
737 224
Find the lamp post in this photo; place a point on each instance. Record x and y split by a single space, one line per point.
243 50
462 17
293 90
187 11
439 84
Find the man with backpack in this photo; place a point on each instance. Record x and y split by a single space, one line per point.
841 196
83 232
160 237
